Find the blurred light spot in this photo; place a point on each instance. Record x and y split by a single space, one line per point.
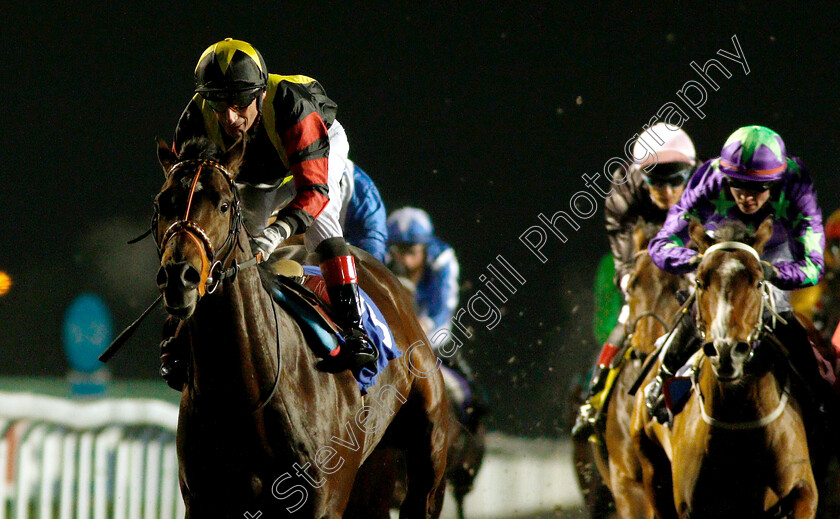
5 283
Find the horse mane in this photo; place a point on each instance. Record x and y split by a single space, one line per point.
199 148
734 230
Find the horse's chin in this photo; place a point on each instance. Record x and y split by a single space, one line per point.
181 312
182 308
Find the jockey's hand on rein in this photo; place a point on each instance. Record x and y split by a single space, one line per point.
270 239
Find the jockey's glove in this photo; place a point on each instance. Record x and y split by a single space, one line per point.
769 271
271 238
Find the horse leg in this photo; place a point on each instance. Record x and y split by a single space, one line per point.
424 432
374 485
801 501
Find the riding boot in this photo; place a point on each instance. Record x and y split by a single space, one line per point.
340 276
590 411
173 355
681 346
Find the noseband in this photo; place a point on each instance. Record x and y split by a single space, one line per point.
212 272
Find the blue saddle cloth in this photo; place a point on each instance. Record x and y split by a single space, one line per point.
323 341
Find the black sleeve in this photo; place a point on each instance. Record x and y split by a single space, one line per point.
620 219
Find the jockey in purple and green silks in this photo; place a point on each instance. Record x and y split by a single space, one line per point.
752 179
752 156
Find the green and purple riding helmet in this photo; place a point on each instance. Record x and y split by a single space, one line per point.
754 155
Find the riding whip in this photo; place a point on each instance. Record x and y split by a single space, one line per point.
128 332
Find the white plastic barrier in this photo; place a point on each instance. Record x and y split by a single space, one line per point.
110 458
115 458
521 477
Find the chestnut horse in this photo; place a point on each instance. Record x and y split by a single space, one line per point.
261 431
739 447
653 305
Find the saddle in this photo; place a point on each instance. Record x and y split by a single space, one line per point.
307 290
302 291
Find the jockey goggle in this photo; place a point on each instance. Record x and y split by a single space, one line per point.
673 174
752 186
238 102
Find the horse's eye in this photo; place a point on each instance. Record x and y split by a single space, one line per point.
225 207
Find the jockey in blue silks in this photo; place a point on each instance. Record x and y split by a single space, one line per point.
362 212
428 263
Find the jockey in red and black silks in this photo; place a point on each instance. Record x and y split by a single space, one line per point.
295 155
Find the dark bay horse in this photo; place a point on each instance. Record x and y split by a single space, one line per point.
739 447
260 428
652 303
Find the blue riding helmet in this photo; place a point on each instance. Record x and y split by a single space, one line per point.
410 225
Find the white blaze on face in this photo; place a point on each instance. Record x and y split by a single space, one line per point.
724 309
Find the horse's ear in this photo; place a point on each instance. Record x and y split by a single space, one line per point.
698 235
232 158
166 156
763 234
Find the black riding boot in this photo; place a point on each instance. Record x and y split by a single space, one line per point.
683 344
339 271
357 351
173 356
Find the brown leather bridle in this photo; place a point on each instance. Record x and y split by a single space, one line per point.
212 271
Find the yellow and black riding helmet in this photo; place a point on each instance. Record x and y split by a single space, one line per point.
230 71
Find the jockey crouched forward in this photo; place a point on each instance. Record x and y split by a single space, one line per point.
293 163
752 179
654 185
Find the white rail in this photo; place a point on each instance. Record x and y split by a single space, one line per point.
110 458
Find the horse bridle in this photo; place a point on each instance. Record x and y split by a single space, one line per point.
212 272
758 330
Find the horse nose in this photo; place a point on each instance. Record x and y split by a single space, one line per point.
182 273
710 350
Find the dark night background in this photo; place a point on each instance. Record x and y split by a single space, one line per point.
484 114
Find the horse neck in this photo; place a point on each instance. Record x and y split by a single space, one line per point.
648 329
234 339
754 396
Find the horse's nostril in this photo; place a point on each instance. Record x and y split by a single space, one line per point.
742 348
190 276
161 277
709 350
